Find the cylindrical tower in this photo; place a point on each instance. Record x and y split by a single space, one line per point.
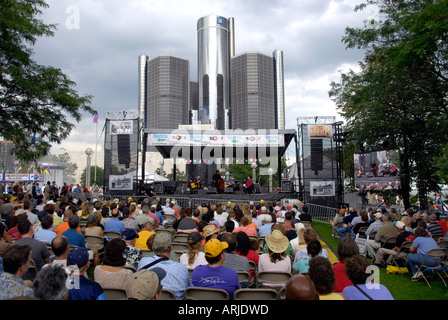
213 70
142 74
279 88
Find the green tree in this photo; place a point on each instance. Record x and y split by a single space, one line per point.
99 175
37 103
240 172
398 99
180 175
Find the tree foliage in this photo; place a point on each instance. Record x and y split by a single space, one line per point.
37 103
398 99
99 175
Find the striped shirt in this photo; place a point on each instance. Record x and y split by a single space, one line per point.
236 262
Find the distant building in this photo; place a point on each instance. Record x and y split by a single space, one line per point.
252 91
7 157
231 92
167 92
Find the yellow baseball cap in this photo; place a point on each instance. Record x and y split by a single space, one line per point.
214 247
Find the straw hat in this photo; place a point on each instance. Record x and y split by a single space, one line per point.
210 229
277 242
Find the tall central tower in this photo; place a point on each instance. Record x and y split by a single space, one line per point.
215 43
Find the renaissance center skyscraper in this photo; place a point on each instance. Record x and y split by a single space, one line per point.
244 91
215 39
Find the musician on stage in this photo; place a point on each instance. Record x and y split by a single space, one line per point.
249 185
230 182
193 186
218 182
149 190
215 179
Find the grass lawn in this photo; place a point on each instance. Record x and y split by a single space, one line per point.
400 286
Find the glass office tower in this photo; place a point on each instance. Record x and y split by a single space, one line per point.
279 79
252 91
142 78
213 70
168 92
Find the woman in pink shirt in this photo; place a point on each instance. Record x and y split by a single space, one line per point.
246 227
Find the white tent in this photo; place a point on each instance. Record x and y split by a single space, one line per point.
151 177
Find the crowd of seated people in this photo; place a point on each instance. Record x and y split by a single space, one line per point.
222 239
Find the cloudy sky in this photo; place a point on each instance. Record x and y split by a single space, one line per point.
98 42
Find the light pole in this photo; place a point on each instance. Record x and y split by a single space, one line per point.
270 171
88 153
254 167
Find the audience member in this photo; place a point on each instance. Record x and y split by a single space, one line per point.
13 232
234 260
298 243
39 251
60 248
321 273
131 253
46 233
337 223
145 284
355 268
313 248
177 276
112 274
243 247
195 256
93 228
186 224
210 231
347 248
82 288
50 283
434 229
214 275
146 224
275 259
74 237
362 224
420 247
16 263
64 225
443 223
267 222
305 216
385 232
309 235
246 227
391 253
375 224
300 287
114 224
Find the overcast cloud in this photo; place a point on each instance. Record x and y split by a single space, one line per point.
100 50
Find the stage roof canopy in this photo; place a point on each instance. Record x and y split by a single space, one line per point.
218 144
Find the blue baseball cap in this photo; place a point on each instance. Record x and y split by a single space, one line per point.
77 257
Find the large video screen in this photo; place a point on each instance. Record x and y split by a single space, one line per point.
377 170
